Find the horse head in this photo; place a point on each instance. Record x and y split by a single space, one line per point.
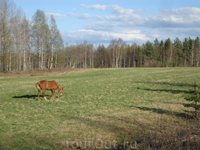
60 91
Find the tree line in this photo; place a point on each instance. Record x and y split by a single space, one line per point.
118 54
38 44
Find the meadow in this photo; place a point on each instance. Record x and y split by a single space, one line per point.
138 108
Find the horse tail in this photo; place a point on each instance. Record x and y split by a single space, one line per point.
37 85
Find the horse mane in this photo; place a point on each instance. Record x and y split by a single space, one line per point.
59 86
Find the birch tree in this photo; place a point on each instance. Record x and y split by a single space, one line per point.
7 13
39 29
22 40
59 49
54 36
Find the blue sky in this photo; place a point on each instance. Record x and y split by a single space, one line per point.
135 21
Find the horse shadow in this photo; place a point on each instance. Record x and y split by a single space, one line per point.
32 96
26 96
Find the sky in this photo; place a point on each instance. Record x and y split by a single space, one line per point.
134 21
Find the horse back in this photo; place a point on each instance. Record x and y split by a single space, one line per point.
52 85
47 85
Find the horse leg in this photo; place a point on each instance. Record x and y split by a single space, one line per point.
52 91
43 92
38 94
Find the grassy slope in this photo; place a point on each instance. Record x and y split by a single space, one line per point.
109 104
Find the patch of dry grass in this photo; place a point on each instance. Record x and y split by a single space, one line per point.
41 73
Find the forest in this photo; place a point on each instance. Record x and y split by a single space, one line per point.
37 44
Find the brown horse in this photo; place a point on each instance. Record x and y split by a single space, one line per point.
44 85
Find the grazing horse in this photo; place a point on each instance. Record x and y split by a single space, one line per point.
44 85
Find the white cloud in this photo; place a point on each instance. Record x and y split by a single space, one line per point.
101 26
123 23
84 16
184 17
119 10
181 18
97 6
104 36
57 16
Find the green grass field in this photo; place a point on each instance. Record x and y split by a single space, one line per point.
98 107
